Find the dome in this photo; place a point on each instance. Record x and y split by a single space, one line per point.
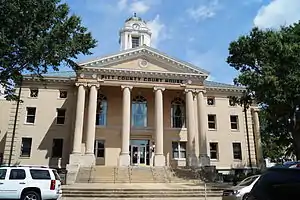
135 18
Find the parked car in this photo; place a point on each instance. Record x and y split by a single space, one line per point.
279 183
240 191
27 182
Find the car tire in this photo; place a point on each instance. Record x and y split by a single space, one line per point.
246 196
31 195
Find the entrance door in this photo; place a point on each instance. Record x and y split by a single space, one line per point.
142 155
135 155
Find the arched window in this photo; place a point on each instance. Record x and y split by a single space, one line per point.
101 115
139 112
177 113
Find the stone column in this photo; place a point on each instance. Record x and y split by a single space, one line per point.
257 138
204 160
191 158
159 158
77 140
126 116
91 119
196 144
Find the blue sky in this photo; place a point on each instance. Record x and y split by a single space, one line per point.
197 31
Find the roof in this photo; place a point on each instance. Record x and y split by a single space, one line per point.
72 74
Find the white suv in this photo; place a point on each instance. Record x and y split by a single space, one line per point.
34 183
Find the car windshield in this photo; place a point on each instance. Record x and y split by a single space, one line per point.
248 181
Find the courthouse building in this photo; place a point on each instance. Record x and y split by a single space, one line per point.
138 106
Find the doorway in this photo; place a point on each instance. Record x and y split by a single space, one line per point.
139 152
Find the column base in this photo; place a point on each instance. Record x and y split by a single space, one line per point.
124 160
204 160
159 160
192 160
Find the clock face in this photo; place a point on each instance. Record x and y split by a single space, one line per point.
136 26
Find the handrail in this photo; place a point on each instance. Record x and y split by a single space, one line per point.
152 171
129 173
114 175
89 178
167 174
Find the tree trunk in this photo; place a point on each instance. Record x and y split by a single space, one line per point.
296 143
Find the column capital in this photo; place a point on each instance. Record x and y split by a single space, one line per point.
77 84
200 90
255 109
126 86
97 85
159 88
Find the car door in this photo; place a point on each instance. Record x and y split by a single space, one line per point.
3 175
15 183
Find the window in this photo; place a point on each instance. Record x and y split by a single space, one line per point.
212 122
214 150
63 94
60 115
101 110
2 174
237 151
139 112
17 174
234 122
34 93
179 150
26 147
30 118
231 102
99 148
57 148
135 42
210 101
40 174
177 113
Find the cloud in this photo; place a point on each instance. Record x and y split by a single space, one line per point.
138 6
278 13
159 31
203 12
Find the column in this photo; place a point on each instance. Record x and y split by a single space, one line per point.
257 138
91 119
204 160
191 159
196 144
159 158
79 118
126 116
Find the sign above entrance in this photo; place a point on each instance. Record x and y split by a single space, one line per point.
140 79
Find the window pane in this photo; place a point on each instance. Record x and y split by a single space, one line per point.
2 174
40 174
211 125
234 126
26 147
31 111
237 151
34 93
175 154
139 114
233 118
100 153
17 174
182 146
30 119
175 146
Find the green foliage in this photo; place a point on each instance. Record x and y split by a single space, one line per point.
36 35
269 66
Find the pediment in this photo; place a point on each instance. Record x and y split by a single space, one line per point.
143 59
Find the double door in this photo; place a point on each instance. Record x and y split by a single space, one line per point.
138 154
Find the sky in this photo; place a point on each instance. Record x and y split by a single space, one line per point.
196 31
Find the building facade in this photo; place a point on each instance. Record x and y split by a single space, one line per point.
136 107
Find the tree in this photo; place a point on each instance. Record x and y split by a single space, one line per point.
38 35
269 65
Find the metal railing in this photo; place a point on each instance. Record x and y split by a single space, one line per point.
90 175
130 173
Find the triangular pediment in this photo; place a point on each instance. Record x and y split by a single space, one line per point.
143 58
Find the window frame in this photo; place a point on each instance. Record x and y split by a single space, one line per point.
27 115
97 148
60 117
234 123
215 151
210 122
138 40
61 154
240 151
180 150
31 92
22 155
179 102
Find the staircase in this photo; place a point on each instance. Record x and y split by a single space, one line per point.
136 174
199 193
